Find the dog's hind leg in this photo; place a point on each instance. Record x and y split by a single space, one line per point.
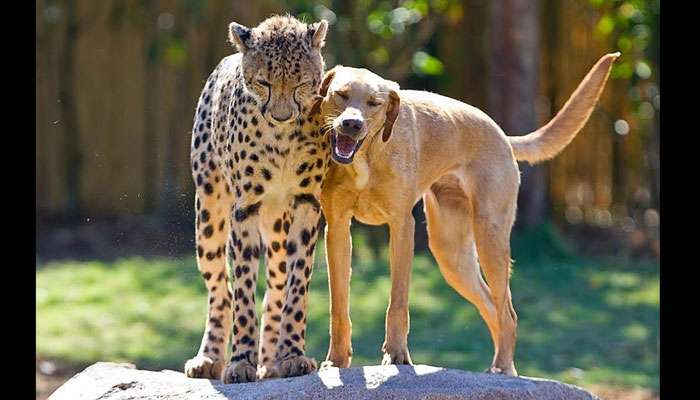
451 241
494 197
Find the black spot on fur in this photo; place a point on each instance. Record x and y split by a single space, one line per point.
242 213
305 237
291 247
299 316
307 199
208 231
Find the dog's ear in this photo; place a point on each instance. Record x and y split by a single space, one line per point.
392 111
239 36
316 107
327 79
323 91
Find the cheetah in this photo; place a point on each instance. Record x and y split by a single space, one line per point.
258 160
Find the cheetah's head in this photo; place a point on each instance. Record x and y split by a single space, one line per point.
282 65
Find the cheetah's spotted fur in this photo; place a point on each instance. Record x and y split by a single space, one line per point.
257 185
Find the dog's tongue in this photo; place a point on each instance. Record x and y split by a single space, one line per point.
344 145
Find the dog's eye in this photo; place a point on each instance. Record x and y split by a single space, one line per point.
343 95
264 82
373 103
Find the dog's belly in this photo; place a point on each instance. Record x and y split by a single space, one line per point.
369 212
370 219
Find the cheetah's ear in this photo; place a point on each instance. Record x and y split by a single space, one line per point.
318 33
239 36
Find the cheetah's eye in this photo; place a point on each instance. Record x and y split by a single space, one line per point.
264 82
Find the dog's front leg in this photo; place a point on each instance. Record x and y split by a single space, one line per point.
395 346
338 258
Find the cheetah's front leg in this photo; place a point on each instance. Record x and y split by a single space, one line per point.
301 242
212 229
244 245
274 229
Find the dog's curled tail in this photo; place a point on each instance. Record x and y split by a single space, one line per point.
546 142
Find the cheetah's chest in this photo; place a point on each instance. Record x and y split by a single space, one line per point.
274 162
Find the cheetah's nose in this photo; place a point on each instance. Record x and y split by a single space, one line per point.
282 118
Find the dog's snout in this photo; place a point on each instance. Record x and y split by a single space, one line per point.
352 125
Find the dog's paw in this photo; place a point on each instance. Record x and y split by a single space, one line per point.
337 362
327 364
204 367
510 371
240 372
295 366
398 355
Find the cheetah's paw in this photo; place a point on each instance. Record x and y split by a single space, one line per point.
202 366
295 366
240 372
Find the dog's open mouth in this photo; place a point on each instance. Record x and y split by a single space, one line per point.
344 147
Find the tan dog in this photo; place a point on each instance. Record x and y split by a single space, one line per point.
393 146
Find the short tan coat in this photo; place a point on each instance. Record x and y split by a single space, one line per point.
417 144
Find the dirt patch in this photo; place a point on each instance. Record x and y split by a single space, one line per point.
51 374
108 239
617 393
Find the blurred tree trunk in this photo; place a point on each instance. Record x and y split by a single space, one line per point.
477 63
346 32
552 17
654 167
620 190
168 204
514 75
71 144
151 91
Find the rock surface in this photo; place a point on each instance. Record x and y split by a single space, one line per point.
122 381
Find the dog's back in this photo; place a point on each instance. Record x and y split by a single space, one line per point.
446 131
443 123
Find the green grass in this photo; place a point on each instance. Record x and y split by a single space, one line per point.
582 321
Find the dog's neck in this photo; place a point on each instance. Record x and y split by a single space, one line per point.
359 169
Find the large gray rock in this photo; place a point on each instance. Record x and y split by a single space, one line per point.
122 381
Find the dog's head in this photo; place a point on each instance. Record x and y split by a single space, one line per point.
357 104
